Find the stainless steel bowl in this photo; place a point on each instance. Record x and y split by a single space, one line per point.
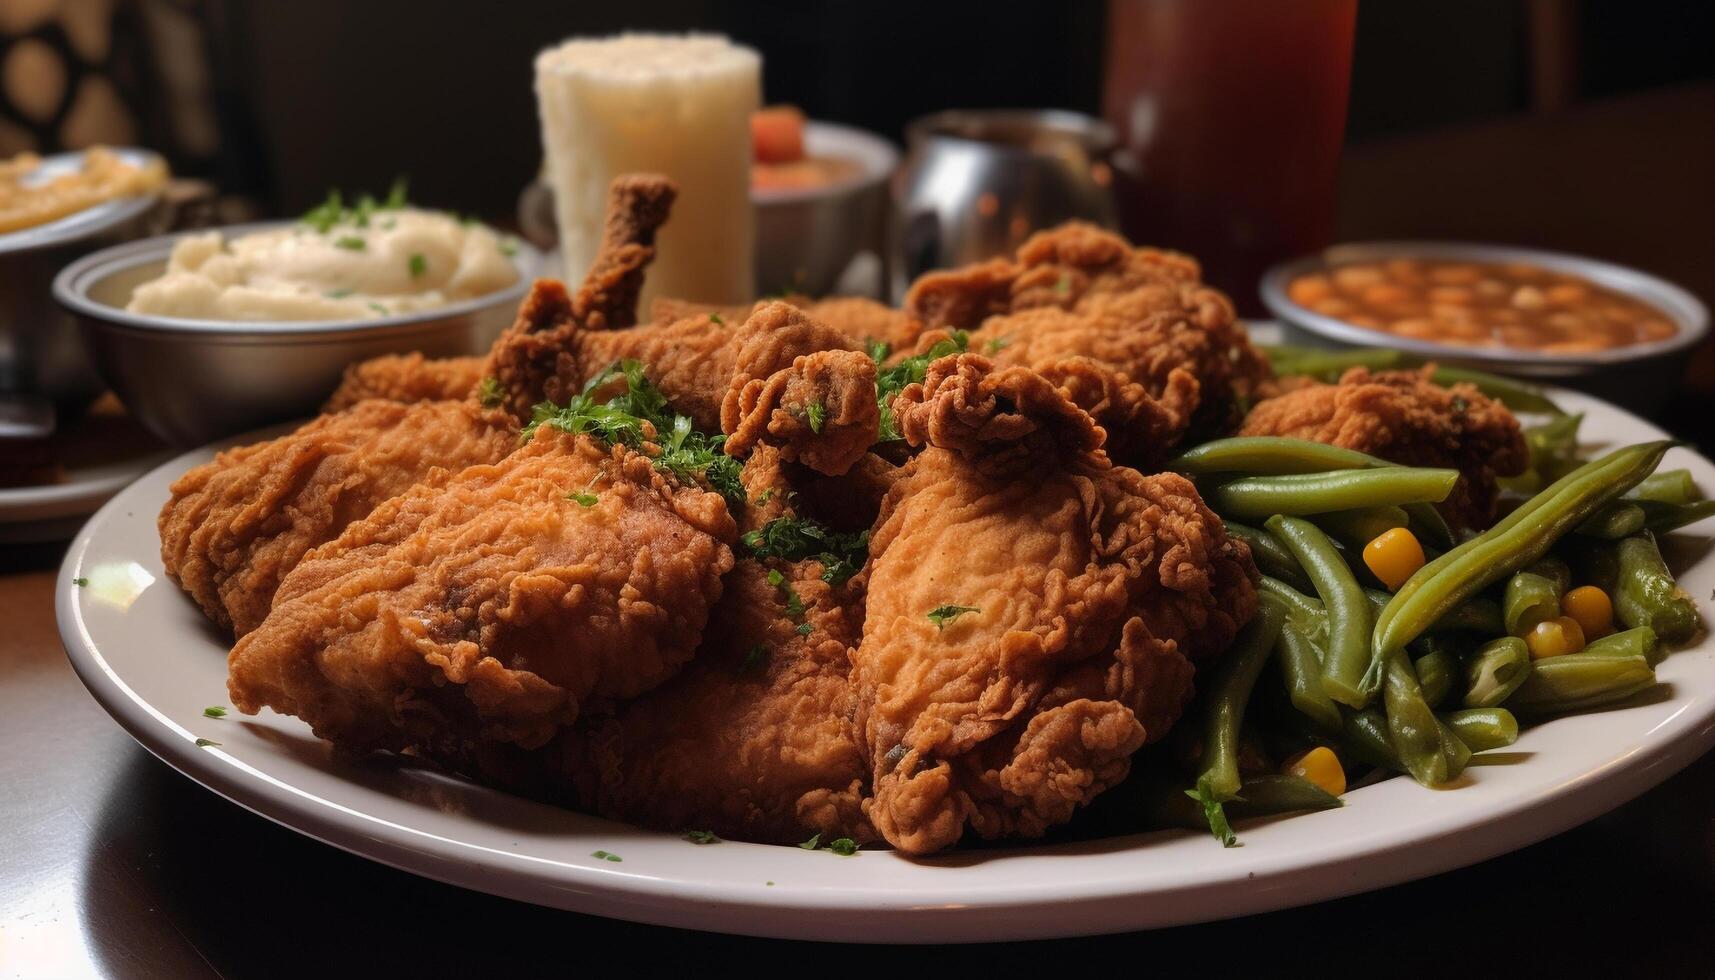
1640 377
42 359
808 237
193 381
976 183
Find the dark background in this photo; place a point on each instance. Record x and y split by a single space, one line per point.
313 94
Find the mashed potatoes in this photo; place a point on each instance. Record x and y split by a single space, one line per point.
337 264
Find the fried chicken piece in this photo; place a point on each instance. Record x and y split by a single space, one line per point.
234 527
1070 600
490 608
820 408
693 361
755 740
533 359
406 378
1404 417
1112 325
858 317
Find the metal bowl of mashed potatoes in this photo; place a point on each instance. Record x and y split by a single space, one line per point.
192 378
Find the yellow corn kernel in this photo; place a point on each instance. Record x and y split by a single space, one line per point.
1394 556
1554 637
1591 609
1321 766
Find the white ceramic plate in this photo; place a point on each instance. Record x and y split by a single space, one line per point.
150 659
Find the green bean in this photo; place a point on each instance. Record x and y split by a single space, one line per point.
1357 528
1519 539
1519 398
1553 448
1413 729
1640 641
1270 555
1555 571
1495 671
1298 494
1661 517
1647 595
1429 526
1275 455
1668 487
1164 804
1364 737
1270 456
1288 352
1267 795
1483 729
1301 665
1350 673
1577 681
1479 614
1329 366
1228 695
1618 519
1307 613
1436 668
1529 599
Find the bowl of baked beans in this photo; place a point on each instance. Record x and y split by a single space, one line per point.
1534 313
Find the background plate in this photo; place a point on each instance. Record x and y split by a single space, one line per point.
153 662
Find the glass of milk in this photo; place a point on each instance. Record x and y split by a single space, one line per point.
677 105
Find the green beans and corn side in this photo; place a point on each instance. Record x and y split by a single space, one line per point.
1386 644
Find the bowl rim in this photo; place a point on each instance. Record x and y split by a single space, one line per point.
1097 136
72 284
86 222
878 157
1676 302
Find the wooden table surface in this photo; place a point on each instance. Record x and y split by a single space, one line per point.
113 864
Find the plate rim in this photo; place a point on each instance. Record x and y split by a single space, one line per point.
945 915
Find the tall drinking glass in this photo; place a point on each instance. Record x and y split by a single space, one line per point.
1230 115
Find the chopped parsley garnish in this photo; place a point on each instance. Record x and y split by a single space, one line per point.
377 307
815 413
418 265
890 381
715 318
1063 287
350 243
490 392
80 582
994 346
754 659
508 247
701 837
215 712
798 538
1215 814
794 605
765 496
805 629
203 743
583 499
942 615
606 856
332 211
843 846
637 414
